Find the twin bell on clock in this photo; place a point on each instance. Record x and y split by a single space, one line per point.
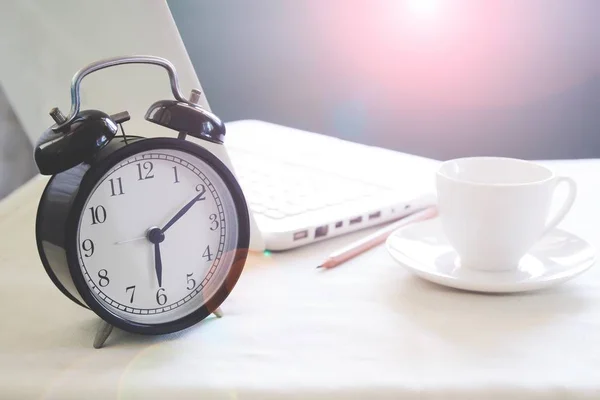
151 234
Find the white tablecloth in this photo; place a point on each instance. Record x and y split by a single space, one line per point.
367 329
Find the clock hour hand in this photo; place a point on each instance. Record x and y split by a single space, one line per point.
156 236
186 208
179 214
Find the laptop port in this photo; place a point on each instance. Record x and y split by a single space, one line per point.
300 235
339 224
321 231
355 220
375 215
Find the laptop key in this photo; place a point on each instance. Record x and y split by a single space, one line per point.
275 214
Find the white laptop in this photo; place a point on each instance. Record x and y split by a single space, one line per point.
304 187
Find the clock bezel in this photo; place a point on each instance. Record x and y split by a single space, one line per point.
87 185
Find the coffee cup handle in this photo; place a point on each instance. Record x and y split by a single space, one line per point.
566 207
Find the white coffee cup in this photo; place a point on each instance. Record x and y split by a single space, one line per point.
494 209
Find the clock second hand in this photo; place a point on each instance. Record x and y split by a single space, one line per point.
131 240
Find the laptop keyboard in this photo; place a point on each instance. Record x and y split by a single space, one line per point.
278 189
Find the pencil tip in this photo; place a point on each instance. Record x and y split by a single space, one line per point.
319 266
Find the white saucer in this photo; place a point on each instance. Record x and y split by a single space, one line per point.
423 249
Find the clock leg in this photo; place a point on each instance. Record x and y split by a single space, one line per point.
102 334
218 312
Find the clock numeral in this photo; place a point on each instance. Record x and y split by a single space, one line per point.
98 215
88 246
176 176
207 254
132 288
201 189
161 298
119 186
147 168
214 224
103 275
191 282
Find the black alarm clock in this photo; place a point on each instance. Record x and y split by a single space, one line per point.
151 234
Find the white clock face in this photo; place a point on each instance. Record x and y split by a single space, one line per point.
157 236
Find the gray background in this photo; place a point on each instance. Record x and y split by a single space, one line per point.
438 78
16 153
447 79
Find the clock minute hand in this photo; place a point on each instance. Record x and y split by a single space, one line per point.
158 263
156 237
185 209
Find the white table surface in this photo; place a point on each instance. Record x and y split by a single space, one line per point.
367 329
